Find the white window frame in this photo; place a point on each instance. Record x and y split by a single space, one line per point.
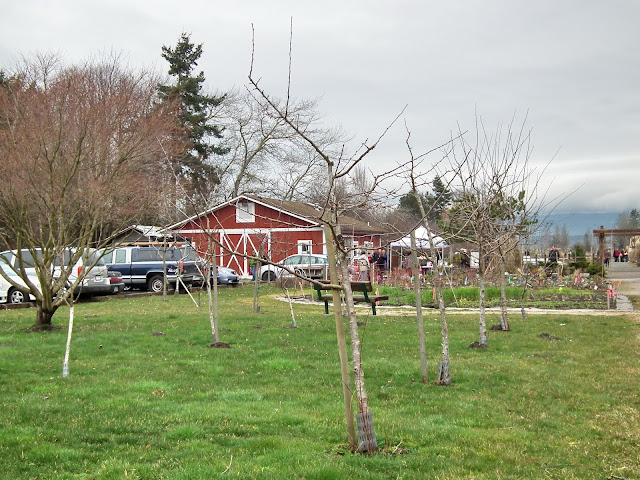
305 247
245 212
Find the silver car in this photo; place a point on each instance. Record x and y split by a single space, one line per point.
308 264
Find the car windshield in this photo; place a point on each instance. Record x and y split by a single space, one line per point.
189 254
89 257
95 259
7 269
6 257
293 260
27 258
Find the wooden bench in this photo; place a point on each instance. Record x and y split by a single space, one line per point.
360 291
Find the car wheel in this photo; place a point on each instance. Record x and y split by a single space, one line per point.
16 296
269 276
155 284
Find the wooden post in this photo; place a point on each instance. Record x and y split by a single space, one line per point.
601 248
342 343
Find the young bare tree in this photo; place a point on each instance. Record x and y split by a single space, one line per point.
337 167
81 143
496 202
424 211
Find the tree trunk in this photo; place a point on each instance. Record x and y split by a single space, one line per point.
214 273
504 319
164 270
525 284
44 315
417 289
366 434
444 377
484 339
256 284
342 343
214 333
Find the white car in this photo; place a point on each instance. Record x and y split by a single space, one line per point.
95 281
8 292
311 265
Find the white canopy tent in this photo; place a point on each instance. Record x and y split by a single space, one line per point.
422 240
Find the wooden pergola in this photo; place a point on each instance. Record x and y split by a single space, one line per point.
602 234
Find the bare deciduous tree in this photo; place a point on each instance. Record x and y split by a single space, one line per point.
496 202
337 167
81 145
443 376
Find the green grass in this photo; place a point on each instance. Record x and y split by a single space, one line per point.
169 407
551 298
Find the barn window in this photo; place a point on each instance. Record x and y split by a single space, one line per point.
304 246
245 212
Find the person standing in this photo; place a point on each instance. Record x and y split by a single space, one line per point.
616 255
380 260
607 257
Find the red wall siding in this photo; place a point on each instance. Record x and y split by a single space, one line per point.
265 217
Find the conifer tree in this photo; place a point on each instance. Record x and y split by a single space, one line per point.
196 112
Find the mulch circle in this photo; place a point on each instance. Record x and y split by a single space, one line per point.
477 345
219 345
548 337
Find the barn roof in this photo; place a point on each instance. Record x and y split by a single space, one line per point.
304 211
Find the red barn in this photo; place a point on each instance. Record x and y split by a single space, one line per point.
246 225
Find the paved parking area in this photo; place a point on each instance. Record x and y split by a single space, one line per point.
627 274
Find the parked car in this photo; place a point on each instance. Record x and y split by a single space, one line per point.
311 265
95 281
141 266
116 282
226 276
8 292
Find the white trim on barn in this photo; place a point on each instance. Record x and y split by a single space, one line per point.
234 201
236 231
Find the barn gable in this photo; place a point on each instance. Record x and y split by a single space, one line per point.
257 226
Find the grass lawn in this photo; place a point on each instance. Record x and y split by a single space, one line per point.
148 399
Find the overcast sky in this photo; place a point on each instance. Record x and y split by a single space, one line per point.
571 66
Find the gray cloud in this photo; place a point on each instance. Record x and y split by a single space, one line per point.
570 64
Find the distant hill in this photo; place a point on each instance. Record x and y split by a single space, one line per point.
580 223
577 225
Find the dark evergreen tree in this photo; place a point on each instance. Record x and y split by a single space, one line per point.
434 203
439 200
196 113
409 204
